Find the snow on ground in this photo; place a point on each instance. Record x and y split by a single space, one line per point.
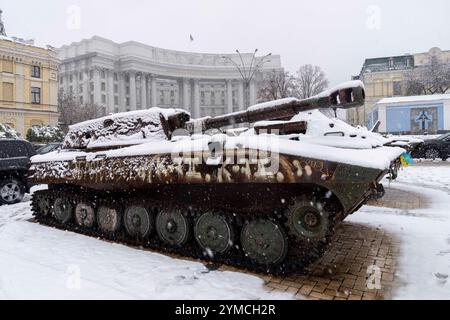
44 263
39 262
424 262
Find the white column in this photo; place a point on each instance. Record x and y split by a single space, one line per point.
154 91
241 95
196 99
186 102
143 91
86 86
180 93
229 96
122 93
110 87
133 91
252 93
97 94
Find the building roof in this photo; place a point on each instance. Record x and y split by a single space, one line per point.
425 98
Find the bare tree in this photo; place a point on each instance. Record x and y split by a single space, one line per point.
431 78
311 80
276 85
71 111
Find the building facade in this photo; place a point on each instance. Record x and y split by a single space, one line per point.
132 75
29 84
413 114
386 76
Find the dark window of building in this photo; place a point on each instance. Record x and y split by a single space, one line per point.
116 88
115 77
116 100
35 95
35 71
103 74
127 90
91 98
397 88
103 86
128 102
103 98
91 85
80 88
81 99
71 78
61 80
80 76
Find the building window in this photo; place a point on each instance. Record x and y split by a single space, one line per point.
61 80
103 73
35 95
71 78
172 93
116 88
71 89
8 66
116 110
172 101
127 90
103 98
8 90
397 88
115 77
91 98
80 76
91 86
103 86
35 71
128 102
116 100
213 98
80 88
81 99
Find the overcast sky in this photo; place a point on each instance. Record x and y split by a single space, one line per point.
336 35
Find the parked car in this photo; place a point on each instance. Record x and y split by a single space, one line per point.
14 162
49 148
434 148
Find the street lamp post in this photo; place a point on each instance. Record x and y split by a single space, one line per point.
248 72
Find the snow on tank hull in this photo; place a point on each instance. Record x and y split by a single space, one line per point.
350 184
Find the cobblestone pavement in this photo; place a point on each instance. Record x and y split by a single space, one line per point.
359 265
400 199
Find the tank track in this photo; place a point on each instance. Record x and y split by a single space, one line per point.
300 254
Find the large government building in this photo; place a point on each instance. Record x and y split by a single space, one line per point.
29 83
385 77
132 75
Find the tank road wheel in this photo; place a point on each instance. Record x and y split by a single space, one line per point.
62 210
213 232
108 219
308 220
84 215
138 222
172 227
264 241
43 205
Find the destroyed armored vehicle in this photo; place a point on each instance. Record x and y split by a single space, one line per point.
267 197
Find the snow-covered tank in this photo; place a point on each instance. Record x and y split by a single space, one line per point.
266 197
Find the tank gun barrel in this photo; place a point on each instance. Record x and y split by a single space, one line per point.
347 95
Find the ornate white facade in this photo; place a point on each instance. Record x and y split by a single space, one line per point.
133 75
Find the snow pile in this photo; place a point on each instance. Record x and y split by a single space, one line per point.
6 132
120 129
45 134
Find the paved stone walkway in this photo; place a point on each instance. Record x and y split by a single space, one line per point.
400 199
